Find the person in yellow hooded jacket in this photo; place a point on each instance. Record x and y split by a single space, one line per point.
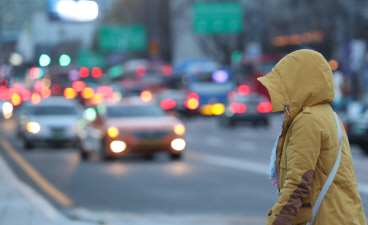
302 86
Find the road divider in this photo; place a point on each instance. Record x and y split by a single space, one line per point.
46 186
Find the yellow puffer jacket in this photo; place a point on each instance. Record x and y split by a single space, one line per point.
302 85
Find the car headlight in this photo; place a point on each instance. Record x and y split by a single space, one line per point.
113 132
117 146
178 144
33 127
179 129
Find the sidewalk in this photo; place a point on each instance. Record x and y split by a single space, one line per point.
21 205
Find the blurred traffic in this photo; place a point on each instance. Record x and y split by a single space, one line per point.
88 87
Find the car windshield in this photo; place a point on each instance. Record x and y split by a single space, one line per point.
134 111
54 111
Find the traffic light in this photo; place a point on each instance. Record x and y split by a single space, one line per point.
64 60
44 60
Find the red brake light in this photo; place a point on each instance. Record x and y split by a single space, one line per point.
140 71
243 89
167 70
78 86
264 107
105 90
96 72
237 107
192 103
231 96
168 104
193 95
346 127
83 72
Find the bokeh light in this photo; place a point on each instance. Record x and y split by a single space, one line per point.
220 76
44 60
78 86
64 60
140 71
88 93
115 71
105 90
70 93
16 59
192 103
146 96
333 64
45 92
168 104
96 72
36 99
26 95
56 89
167 70
36 72
90 114
97 99
243 89
83 72
217 109
73 75
114 98
15 99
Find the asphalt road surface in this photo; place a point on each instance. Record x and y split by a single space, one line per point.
222 178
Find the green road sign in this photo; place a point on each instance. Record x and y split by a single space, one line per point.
217 17
118 37
90 59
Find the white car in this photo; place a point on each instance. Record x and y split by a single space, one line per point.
54 121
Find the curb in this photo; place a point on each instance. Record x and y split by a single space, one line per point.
39 202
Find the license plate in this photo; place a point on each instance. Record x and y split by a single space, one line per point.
252 110
57 135
150 143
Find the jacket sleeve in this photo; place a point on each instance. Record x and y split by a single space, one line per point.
302 154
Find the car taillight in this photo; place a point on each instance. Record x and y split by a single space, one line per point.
231 95
264 107
237 107
192 103
193 95
243 89
113 132
167 104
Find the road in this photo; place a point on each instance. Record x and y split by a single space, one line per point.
222 179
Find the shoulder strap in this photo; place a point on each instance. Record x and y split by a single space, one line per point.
330 178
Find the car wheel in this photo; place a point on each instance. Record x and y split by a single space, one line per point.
266 123
149 157
28 145
84 155
176 156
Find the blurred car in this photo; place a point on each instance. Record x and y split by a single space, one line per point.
51 121
174 100
356 125
253 108
132 127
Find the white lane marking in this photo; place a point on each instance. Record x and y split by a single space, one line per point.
237 164
363 188
246 146
255 167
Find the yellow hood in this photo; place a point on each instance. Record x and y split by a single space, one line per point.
301 79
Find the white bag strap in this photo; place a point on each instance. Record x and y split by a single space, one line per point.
330 178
